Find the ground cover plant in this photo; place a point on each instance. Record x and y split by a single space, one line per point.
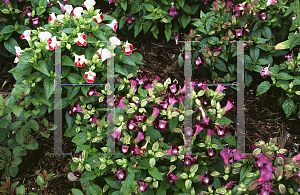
149 129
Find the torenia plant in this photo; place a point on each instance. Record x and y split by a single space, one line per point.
87 40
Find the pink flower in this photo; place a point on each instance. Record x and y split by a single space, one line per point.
172 11
117 133
88 4
80 61
77 12
271 2
81 39
98 18
62 7
171 178
92 91
220 88
140 136
104 54
173 150
26 35
265 174
52 43
293 18
90 76
297 157
113 25
127 48
229 104
132 125
265 71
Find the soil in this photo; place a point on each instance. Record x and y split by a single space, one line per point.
264 118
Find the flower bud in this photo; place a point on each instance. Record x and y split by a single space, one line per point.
282 189
184 175
174 158
152 162
155 184
148 179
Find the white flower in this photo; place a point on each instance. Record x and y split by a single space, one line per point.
113 25
88 4
72 177
115 41
59 17
52 43
18 51
98 18
80 61
44 35
68 8
26 35
293 18
52 17
104 54
77 11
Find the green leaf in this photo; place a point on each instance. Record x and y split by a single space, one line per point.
248 79
80 138
224 120
229 139
150 16
21 190
77 191
48 87
17 110
40 181
72 92
180 60
155 33
154 172
283 45
137 29
129 179
288 107
284 76
181 3
153 133
254 53
262 62
54 9
221 66
136 6
7 29
101 35
263 88
187 9
124 5
267 32
212 40
42 67
10 45
74 78
217 142
34 125
217 183
40 11
113 183
244 170
67 61
127 60
148 7
19 151
12 171
173 122
161 191
168 34
122 22
33 145
146 25
67 30
136 57
185 20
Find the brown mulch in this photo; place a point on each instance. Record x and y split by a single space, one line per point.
264 118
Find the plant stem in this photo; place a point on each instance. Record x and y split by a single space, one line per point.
44 191
39 131
11 191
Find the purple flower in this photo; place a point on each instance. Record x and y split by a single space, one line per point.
220 88
263 15
265 174
265 71
239 32
266 189
93 119
173 88
172 11
221 131
140 117
230 184
156 110
229 3
206 179
173 150
62 7
130 20
75 108
161 125
171 178
143 186
232 156
124 149
188 161
27 11
49 4
298 174
35 20
176 36
78 155
120 175
115 136
133 83
261 160
210 153
253 147
198 61
206 123
92 92
131 125
134 149
140 136
289 57
119 102
66 1
163 104
229 104
5 1
111 1
77 173
172 99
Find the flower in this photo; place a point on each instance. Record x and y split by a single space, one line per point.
115 41
98 18
90 76
53 17
263 15
271 2
261 160
220 88
265 174
173 150
143 186
131 124
18 54
188 161
206 179
172 11
111 1
81 39
173 88
253 147
124 149
156 110
119 102
117 133
76 107
265 71
34 20
92 91
297 157
127 48
120 175
293 18
140 118
93 119
113 25
221 131
232 156
229 104
77 12
52 43
129 20
88 4
26 35
77 173
68 8
229 3
140 136
66 1
78 155
62 7
198 61
44 36
172 99
289 57
265 189
171 178
80 61
49 4
161 125
176 36
206 123
27 11
104 54
60 16
230 184
239 33
72 177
